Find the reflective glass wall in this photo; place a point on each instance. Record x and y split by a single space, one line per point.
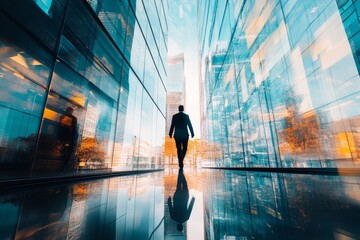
281 82
81 86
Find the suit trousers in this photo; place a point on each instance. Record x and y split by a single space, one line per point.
181 146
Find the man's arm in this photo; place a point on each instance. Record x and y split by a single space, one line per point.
172 127
190 127
188 212
170 207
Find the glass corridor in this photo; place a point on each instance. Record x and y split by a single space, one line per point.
83 85
219 205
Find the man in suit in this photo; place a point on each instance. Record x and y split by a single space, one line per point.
180 122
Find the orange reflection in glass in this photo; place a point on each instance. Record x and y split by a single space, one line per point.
50 114
302 134
91 154
342 145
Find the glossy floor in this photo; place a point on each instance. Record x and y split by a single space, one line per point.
203 204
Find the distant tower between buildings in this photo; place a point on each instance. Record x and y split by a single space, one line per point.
175 87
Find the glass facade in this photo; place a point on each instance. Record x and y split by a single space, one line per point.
82 86
281 82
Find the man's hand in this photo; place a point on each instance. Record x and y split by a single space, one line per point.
170 136
192 135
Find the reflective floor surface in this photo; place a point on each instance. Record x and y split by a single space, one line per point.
189 204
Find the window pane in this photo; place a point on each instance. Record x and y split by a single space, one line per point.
42 18
24 72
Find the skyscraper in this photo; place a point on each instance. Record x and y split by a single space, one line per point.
175 87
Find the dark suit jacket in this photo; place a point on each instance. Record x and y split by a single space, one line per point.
181 122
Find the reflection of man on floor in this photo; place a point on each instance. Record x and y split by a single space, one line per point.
68 134
179 211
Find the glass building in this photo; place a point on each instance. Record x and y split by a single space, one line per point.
82 86
280 82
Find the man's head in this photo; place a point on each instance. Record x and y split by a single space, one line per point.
181 108
69 110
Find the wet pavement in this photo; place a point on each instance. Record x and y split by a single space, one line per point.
188 204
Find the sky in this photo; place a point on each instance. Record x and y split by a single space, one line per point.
182 37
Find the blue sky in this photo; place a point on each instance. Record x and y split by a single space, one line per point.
182 37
